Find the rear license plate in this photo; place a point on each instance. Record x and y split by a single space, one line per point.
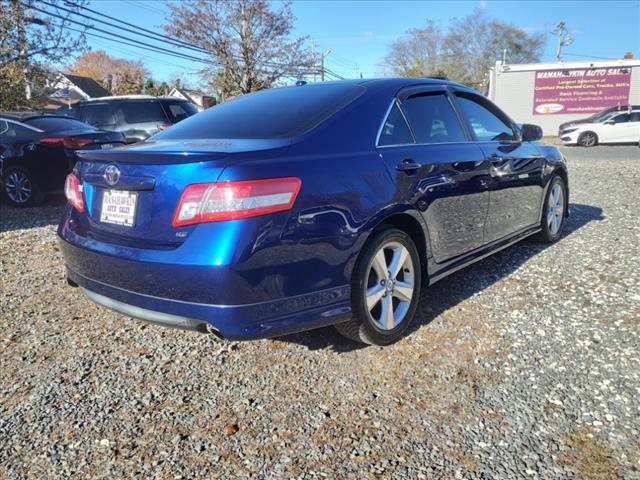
119 207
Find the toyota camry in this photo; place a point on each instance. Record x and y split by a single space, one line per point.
299 207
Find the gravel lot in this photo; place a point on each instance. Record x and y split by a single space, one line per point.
525 365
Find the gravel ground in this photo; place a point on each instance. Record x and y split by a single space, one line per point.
525 365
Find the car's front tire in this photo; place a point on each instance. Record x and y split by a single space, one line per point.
385 289
554 211
20 188
588 139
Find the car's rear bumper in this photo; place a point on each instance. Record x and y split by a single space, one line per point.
233 322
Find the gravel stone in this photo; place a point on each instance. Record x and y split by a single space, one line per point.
525 365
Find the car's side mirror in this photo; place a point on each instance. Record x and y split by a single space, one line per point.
611 121
531 133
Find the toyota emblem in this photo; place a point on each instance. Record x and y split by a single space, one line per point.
111 174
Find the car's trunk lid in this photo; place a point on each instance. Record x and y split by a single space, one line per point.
146 180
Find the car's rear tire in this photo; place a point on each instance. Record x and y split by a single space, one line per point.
385 289
588 139
19 187
554 211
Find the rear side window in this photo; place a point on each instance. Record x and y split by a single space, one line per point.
433 119
58 124
624 118
274 113
100 114
486 121
177 111
142 111
395 130
9 129
634 117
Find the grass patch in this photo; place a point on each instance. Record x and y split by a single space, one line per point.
589 458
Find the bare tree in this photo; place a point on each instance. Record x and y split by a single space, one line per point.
474 43
248 43
464 52
32 38
418 53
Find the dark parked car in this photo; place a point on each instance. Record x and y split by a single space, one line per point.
37 152
337 210
137 117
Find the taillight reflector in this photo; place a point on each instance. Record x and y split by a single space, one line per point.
216 202
73 143
73 192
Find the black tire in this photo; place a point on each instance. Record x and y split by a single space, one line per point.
16 197
549 234
588 139
363 327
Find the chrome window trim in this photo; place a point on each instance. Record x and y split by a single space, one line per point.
384 119
466 142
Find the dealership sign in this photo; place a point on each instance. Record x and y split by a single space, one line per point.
580 90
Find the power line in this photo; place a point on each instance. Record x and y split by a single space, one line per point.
125 43
145 7
292 71
92 27
182 43
178 43
590 56
104 22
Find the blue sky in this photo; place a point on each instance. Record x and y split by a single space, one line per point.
359 32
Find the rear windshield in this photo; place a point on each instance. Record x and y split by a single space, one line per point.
177 111
275 113
142 111
57 124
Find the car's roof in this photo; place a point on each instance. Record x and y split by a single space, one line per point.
392 82
26 116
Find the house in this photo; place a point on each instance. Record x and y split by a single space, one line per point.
69 89
198 98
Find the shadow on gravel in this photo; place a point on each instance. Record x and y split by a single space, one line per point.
49 213
457 287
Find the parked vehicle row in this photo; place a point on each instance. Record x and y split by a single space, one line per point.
137 117
37 152
337 210
612 125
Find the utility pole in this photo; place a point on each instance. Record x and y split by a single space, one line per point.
323 55
564 39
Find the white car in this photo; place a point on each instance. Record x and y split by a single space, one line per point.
620 127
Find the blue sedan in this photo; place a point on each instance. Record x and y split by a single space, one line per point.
299 207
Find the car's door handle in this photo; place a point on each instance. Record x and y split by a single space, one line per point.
408 165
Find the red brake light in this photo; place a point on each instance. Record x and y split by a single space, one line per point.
216 202
73 192
73 143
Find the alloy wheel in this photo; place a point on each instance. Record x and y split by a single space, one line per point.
555 209
588 139
390 285
18 187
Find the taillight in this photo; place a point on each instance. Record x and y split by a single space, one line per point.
73 192
73 143
215 202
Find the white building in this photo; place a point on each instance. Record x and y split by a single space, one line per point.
548 94
198 98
